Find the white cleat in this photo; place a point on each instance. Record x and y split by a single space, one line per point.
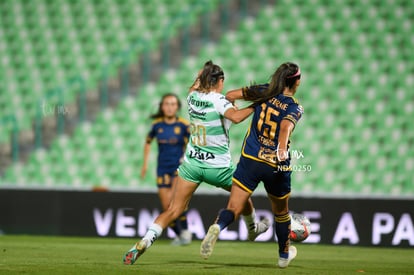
207 245
185 238
176 241
258 229
283 262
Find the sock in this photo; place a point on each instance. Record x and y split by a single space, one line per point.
154 231
175 226
250 221
225 218
183 220
282 226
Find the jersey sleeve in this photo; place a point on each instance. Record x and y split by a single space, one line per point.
185 125
294 112
222 104
187 131
151 134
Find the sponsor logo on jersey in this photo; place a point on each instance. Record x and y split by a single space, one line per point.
197 154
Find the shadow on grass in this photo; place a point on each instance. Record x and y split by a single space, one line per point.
216 264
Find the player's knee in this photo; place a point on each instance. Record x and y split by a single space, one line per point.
280 204
280 208
174 211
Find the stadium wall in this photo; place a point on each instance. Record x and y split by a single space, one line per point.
366 222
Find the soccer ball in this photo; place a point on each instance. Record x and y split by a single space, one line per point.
299 227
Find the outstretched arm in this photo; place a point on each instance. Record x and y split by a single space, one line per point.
234 94
237 116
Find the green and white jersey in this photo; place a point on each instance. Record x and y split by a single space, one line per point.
208 146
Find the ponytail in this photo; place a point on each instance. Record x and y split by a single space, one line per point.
284 76
209 76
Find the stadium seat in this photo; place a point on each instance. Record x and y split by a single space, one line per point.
80 44
355 134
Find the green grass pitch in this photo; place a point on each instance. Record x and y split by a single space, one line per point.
70 255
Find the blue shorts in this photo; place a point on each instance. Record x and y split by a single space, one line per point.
249 173
165 179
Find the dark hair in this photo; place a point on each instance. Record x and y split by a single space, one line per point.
209 76
160 113
284 76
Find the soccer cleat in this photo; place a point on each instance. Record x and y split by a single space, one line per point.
284 262
207 245
258 228
185 238
176 241
135 252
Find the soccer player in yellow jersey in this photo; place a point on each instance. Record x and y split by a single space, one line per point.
265 156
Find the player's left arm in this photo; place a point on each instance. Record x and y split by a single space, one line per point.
286 128
229 111
287 125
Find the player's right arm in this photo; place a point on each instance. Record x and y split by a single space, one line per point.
256 93
233 95
147 149
196 83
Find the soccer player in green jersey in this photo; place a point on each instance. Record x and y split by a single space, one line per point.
207 157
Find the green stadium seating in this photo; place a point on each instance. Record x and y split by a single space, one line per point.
355 56
46 43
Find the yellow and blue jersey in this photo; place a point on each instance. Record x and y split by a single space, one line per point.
172 139
261 141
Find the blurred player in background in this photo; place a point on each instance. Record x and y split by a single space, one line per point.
207 158
171 133
265 156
